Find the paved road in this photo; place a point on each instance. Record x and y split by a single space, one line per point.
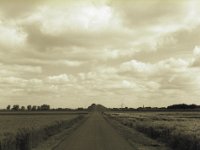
94 134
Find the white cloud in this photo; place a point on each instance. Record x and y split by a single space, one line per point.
72 63
55 20
62 78
196 59
196 51
128 84
11 36
137 66
174 63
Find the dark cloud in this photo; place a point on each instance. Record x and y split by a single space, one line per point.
20 8
86 39
142 13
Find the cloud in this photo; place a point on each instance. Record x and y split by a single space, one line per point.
58 79
137 66
196 53
21 8
11 36
69 39
140 14
166 74
19 70
73 53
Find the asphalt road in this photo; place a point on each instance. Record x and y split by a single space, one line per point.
94 134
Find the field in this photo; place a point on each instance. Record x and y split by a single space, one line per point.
29 129
179 130
162 130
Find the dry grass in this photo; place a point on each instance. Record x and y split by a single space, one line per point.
180 130
11 123
23 132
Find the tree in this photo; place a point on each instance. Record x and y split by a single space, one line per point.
29 107
15 107
38 108
23 108
80 108
45 107
34 108
8 107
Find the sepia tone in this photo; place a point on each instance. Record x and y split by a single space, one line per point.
99 74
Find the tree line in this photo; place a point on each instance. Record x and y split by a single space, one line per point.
184 106
46 107
170 107
43 107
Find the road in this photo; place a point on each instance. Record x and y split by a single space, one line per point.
94 134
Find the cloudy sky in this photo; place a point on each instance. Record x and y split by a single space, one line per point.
73 53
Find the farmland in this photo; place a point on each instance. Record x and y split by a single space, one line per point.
76 130
15 126
179 130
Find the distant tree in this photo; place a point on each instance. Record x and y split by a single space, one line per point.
162 108
182 106
126 108
92 107
15 107
45 107
29 107
23 108
115 109
96 107
8 107
59 109
80 108
140 108
38 108
147 108
131 109
34 108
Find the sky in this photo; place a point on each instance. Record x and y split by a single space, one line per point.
70 53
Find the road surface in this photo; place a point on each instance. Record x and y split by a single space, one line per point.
94 134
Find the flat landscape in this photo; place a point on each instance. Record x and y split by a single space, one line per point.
100 130
99 74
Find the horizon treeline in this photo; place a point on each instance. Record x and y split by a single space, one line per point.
46 107
183 106
17 107
170 107
43 107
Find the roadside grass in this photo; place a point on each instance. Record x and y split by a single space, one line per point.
30 136
179 131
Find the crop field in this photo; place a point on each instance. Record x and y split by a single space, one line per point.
179 130
15 126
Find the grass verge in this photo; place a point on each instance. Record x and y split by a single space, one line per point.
174 138
27 138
